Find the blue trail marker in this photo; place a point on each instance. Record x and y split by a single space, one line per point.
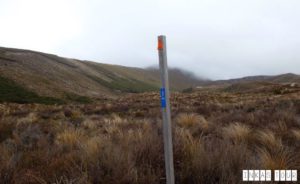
163 97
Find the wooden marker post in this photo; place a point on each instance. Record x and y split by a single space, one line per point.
166 112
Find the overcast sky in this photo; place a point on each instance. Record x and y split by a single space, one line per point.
217 39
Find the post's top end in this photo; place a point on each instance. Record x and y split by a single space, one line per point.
160 44
161 39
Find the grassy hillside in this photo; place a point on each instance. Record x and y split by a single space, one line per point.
248 87
46 75
12 92
133 82
54 76
181 79
279 79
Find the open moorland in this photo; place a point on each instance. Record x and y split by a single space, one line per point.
216 134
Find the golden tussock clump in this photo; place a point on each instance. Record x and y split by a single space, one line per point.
91 148
191 145
237 132
296 134
279 159
267 138
90 124
29 119
70 137
115 119
192 120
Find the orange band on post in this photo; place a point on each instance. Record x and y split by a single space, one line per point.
160 44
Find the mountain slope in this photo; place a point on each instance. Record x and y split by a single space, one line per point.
281 79
39 76
53 76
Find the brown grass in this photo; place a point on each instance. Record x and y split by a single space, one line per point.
216 135
196 123
238 133
296 134
280 159
71 138
267 139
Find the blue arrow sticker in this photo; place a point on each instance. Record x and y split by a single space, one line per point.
163 97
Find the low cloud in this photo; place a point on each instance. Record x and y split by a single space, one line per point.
215 39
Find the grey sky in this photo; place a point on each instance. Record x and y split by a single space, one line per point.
217 39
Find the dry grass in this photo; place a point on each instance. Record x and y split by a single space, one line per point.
190 120
238 133
280 159
90 124
92 148
71 138
296 134
216 136
267 139
194 122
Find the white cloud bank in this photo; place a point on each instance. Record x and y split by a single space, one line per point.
213 38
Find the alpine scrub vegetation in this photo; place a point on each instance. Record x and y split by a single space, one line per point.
215 135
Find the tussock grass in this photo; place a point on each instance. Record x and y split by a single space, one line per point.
29 119
190 144
92 148
210 158
279 159
197 124
238 133
70 138
216 136
296 134
90 124
189 120
267 139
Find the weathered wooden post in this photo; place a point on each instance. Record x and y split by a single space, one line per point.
166 112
